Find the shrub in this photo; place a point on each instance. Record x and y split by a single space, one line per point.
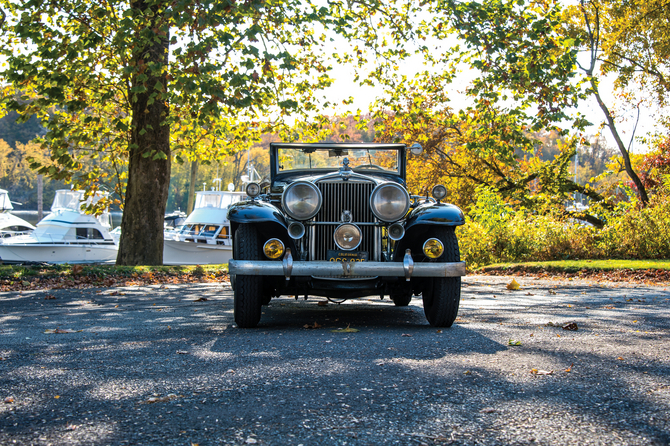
494 233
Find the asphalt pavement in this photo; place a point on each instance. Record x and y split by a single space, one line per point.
555 362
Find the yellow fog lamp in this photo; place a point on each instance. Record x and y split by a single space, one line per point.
273 248
433 248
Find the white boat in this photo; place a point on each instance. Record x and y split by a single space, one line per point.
11 225
204 238
67 235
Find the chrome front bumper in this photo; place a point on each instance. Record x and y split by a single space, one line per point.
288 268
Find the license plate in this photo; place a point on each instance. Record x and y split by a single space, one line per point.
347 256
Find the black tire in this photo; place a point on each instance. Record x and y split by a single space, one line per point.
248 293
401 299
442 295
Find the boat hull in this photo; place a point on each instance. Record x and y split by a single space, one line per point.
58 253
177 252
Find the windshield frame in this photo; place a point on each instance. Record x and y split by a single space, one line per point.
351 147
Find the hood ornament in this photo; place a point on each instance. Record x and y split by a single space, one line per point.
345 170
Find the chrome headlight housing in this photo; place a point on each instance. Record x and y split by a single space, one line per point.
389 202
347 237
301 200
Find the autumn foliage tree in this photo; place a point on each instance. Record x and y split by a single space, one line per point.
629 42
110 79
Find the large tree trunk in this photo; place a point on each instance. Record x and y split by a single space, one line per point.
149 161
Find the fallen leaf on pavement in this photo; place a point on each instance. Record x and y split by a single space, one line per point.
407 335
200 299
9 400
552 292
571 326
569 369
488 410
314 325
513 342
322 303
49 297
541 372
620 358
182 352
345 330
513 285
162 399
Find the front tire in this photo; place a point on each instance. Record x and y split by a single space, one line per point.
247 293
442 295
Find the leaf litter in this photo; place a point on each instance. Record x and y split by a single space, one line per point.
345 330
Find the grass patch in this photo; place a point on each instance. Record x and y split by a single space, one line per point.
580 265
14 272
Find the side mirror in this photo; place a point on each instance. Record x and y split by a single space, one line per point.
416 149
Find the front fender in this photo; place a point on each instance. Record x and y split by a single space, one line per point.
418 226
435 214
255 212
270 222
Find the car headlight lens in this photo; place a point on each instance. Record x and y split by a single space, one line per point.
439 192
347 236
253 190
433 248
273 248
389 202
301 200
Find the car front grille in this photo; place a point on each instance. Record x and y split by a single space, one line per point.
340 196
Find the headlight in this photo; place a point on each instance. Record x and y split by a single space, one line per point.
347 236
273 248
433 248
439 192
301 200
389 202
253 190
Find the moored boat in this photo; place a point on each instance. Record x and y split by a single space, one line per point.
67 235
204 238
11 225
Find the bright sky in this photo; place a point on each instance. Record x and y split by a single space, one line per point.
345 86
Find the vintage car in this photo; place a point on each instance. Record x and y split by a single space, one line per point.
336 220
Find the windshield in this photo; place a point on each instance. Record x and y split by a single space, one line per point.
360 160
220 200
72 200
67 199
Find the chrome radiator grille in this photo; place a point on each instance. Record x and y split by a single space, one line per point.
338 197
